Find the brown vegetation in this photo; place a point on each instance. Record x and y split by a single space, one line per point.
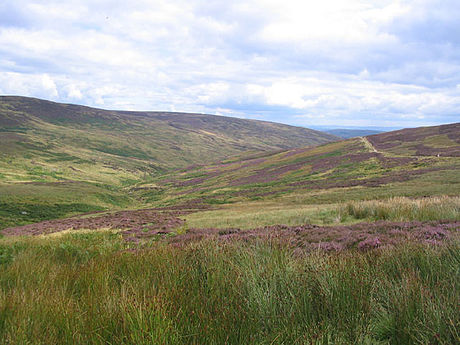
309 237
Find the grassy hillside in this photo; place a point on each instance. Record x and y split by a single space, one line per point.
376 165
293 183
77 134
60 159
442 141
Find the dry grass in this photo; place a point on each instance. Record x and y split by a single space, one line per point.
404 209
258 214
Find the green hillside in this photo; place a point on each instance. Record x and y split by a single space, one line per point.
59 159
73 133
414 162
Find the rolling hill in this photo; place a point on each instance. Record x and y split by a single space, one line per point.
67 132
410 162
58 160
62 159
350 242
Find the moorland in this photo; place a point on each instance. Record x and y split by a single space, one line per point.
170 228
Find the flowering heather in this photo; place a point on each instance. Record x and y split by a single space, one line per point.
134 224
363 236
416 138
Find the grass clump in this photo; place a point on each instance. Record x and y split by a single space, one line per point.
89 288
404 209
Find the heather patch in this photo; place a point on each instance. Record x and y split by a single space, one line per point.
420 141
363 236
423 150
135 225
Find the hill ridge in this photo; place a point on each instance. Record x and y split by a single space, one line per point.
160 115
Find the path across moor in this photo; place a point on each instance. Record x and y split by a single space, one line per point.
369 145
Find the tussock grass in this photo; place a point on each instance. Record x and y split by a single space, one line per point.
258 214
88 289
404 209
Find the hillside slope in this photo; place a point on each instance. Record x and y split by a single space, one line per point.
167 140
423 141
415 162
61 159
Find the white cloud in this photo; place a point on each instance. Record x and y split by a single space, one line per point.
352 21
49 86
73 92
37 85
272 59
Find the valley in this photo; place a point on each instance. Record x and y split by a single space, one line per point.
58 159
173 228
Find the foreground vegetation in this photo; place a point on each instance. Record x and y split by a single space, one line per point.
91 288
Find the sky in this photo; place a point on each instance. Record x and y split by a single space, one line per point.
300 62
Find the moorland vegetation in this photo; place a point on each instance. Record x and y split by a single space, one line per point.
159 228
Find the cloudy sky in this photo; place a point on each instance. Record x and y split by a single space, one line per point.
328 62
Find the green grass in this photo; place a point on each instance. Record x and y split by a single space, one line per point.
404 209
249 215
258 214
28 203
83 288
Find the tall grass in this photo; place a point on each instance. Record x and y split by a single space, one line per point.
85 289
404 209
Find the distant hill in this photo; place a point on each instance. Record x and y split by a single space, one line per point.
411 162
166 140
351 133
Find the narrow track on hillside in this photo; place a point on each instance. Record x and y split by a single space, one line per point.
369 145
